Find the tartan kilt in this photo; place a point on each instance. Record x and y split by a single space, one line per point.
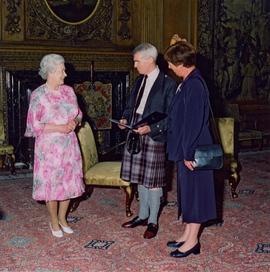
146 168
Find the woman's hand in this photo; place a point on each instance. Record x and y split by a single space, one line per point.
189 165
69 126
65 128
143 130
124 122
78 121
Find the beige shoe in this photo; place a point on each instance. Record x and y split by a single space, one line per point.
56 233
67 229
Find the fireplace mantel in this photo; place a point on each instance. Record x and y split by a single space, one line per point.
28 58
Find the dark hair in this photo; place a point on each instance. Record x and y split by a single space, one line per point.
181 52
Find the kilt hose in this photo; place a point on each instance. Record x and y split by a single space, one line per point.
146 168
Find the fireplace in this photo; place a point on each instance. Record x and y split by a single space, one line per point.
18 86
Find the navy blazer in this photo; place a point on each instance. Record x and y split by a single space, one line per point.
188 119
159 99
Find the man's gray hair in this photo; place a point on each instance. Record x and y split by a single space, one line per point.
147 50
49 63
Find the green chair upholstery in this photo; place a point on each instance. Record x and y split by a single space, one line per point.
6 150
100 173
7 153
225 127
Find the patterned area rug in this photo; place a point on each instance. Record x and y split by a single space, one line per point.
241 243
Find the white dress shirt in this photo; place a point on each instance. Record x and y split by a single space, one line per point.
151 78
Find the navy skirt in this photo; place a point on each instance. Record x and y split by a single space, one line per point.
196 193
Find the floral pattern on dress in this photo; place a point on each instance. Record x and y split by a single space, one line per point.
57 157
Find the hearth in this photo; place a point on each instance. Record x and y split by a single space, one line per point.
20 83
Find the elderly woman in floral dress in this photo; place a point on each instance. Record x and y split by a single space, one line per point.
52 117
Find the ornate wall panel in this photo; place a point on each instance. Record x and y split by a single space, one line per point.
148 22
205 27
180 17
205 38
42 24
124 30
12 19
1 20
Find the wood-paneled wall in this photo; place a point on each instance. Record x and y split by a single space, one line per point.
28 25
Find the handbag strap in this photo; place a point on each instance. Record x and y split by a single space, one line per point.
217 136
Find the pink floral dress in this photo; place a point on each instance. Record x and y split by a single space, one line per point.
57 160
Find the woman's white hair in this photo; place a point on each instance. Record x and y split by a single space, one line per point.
49 63
146 50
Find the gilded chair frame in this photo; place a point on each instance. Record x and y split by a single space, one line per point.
97 173
6 150
226 129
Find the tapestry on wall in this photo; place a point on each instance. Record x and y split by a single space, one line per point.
97 102
242 73
239 56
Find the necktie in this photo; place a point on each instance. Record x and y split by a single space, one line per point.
140 93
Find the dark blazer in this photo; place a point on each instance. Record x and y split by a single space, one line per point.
159 99
188 119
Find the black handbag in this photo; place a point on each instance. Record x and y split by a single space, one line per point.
209 157
133 143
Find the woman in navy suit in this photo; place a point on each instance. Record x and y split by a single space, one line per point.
187 129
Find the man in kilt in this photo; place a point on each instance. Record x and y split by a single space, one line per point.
152 92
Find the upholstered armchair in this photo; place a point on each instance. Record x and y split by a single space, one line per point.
246 130
7 154
97 173
231 166
6 150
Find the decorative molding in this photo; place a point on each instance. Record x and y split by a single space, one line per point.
13 18
205 42
29 59
124 17
205 27
41 24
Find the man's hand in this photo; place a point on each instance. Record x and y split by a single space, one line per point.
122 121
143 130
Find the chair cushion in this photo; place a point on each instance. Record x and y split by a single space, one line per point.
105 174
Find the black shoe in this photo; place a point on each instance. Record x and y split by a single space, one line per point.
151 231
174 244
136 221
178 254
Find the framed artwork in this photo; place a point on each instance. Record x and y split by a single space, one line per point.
72 11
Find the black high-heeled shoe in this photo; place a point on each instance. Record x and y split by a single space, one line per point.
178 254
174 244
